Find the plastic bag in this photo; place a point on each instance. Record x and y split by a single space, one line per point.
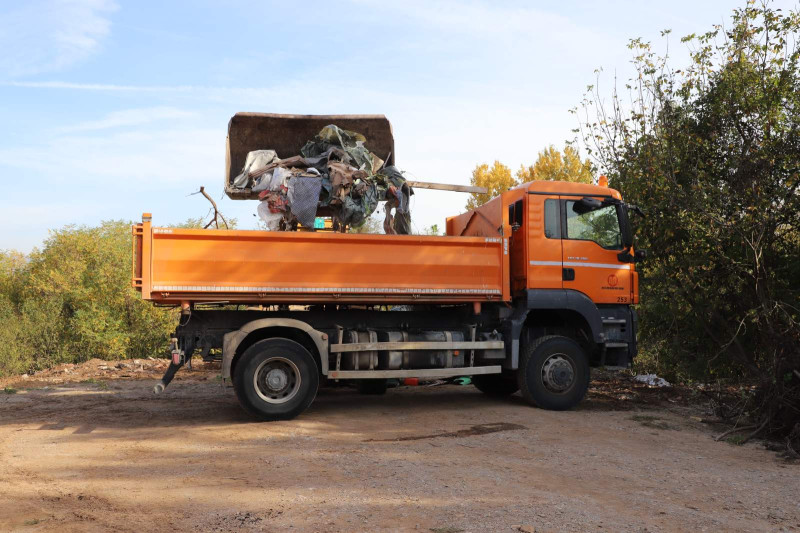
271 220
255 160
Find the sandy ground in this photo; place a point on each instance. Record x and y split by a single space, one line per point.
108 455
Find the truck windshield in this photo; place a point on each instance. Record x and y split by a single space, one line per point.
600 225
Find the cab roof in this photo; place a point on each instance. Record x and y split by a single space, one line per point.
568 188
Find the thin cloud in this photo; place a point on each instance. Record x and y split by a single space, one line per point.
129 118
476 17
149 157
108 87
51 35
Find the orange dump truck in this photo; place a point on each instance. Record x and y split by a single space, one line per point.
523 293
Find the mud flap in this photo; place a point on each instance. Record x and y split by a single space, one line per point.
179 358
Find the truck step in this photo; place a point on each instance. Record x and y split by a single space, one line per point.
411 373
614 321
616 345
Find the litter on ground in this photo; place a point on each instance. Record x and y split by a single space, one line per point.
652 380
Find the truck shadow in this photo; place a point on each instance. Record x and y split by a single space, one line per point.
83 409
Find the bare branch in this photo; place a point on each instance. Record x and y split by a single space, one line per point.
757 431
217 215
734 430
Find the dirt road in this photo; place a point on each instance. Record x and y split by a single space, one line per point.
110 456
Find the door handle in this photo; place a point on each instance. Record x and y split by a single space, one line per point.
568 274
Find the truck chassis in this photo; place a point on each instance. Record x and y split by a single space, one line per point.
276 360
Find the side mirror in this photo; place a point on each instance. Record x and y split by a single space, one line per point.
585 205
591 203
637 257
625 227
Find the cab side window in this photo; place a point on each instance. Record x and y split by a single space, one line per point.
552 222
598 225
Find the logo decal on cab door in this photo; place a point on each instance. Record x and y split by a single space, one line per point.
612 280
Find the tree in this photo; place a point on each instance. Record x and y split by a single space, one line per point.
12 267
72 300
372 224
433 229
200 223
553 165
497 179
712 153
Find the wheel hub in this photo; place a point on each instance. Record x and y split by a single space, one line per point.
558 373
277 380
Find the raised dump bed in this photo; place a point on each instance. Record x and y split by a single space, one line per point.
286 134
186 265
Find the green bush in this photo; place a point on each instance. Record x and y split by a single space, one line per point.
711 152
71 301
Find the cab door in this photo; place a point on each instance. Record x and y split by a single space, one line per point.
544 258
518 223
591 241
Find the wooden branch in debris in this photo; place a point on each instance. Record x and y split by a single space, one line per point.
756 432
216 211
448 187
734 430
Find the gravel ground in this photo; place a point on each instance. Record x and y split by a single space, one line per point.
91 449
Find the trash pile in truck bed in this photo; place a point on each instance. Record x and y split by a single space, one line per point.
334 170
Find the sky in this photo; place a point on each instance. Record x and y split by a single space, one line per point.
111 109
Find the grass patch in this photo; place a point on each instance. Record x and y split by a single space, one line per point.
10 390
650 421
31 522
736 440
100 384
446 529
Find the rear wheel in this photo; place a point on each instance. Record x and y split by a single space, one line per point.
553 373
276 379
495 384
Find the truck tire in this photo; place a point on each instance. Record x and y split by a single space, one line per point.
495 384
553 373
276 379
372 386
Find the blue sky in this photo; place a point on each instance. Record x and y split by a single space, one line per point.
110 109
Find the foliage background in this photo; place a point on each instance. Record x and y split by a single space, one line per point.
550 164
72 300
711 151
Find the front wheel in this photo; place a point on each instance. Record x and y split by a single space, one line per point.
553 373
276 379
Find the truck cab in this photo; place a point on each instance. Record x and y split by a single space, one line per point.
571 261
